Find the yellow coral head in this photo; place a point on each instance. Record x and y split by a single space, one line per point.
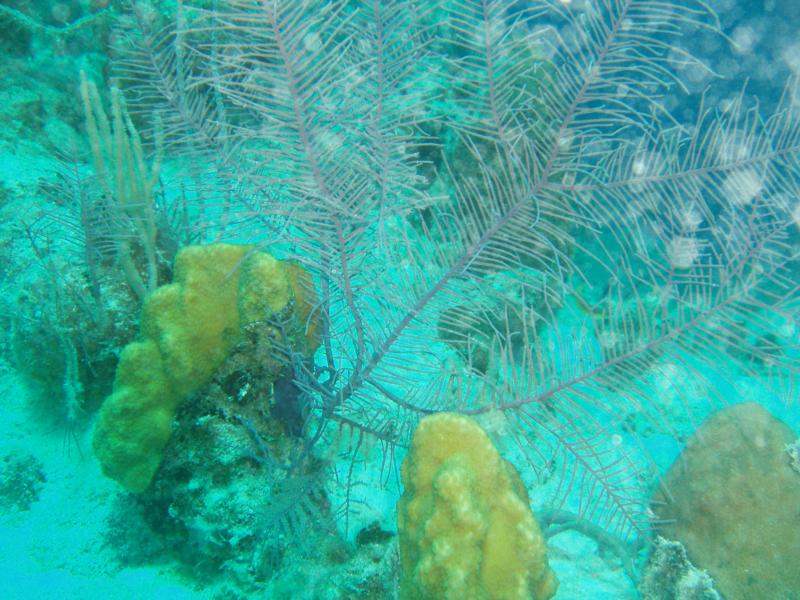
465 527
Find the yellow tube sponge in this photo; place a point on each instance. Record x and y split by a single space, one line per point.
188 328
465 528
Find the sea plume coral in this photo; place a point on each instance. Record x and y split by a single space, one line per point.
487 197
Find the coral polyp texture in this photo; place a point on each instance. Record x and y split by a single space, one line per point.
465 527
188 328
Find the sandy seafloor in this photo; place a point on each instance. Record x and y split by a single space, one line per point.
58 548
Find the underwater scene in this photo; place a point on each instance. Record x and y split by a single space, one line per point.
400 299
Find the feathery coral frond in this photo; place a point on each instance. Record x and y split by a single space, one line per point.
501 215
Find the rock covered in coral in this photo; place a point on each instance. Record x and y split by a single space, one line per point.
732 499
670 575
234 494
21 480
228 483
188 328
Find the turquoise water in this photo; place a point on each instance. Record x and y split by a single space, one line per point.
247 247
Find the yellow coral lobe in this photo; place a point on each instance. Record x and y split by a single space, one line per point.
142 394
465 528
199 329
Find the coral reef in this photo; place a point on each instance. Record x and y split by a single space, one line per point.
731 499
506 212
464 524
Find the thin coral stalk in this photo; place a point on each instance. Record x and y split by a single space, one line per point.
124 177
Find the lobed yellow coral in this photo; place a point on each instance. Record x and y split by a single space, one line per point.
465 528
188 328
